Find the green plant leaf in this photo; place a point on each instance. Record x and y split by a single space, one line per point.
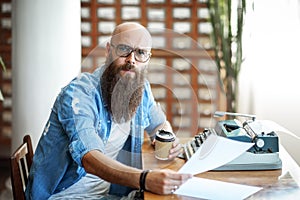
227 18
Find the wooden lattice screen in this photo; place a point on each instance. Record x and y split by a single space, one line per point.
183 76
5 77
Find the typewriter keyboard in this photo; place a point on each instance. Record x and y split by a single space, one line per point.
192 146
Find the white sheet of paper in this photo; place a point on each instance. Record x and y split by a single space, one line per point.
211 189
219 150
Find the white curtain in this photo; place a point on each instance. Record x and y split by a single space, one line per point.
270 77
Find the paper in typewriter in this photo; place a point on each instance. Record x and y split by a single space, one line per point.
268 126
214 152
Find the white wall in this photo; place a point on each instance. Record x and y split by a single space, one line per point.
46 55
270 77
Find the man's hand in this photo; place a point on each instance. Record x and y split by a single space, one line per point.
165 181
175 150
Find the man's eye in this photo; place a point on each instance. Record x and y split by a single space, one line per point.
141 52
124 48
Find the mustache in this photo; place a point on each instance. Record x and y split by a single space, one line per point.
127 67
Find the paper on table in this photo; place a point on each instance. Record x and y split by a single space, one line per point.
214 152
211 189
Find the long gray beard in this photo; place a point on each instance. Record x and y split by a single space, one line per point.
122 94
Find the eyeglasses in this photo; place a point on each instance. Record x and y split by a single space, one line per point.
141 55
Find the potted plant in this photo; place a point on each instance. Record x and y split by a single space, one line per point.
227 18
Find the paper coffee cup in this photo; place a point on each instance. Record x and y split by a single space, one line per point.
163 143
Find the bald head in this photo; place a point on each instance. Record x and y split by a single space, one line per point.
132 34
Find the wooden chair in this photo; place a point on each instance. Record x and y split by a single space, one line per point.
20 162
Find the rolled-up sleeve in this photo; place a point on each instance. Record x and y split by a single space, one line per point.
155 113
84 143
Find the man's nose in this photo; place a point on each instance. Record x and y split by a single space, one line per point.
130 58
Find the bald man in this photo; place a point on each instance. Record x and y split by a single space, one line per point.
91 145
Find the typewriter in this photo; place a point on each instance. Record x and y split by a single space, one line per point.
263 155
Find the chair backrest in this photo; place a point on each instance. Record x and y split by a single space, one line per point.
20 162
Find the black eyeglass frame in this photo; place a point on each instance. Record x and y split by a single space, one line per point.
131 50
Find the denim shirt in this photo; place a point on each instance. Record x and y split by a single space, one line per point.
80 122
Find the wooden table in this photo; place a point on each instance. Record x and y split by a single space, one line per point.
277 184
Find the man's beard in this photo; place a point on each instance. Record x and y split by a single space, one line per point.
122 94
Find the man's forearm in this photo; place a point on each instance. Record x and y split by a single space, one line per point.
111 170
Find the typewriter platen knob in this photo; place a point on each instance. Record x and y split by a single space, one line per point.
260 143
